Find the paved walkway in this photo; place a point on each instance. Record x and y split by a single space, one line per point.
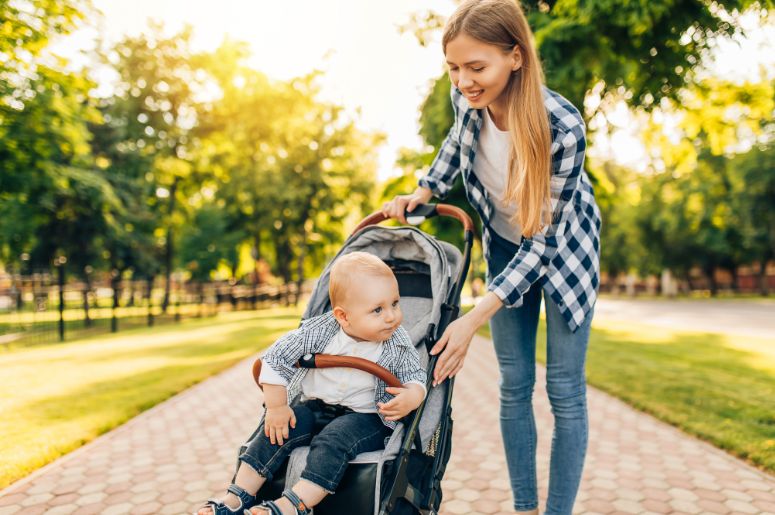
754 317
172 457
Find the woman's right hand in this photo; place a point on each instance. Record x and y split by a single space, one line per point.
400 204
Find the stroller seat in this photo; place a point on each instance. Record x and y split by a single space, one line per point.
426 270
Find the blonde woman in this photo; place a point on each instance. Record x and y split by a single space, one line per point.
520 148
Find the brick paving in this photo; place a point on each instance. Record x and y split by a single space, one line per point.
172 457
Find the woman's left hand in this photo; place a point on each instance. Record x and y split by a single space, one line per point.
454 344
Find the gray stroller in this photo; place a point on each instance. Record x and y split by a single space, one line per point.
405 477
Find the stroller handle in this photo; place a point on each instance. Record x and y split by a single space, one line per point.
329 361
422 212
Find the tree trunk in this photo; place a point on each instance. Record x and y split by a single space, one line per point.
735 279
131 302
256 258
287 274
19 293
284 257
169 249
61 281
233 286
149 298
710 273
299 272
201 298
115 283
687 275
180 290
302 247
88 322
764 288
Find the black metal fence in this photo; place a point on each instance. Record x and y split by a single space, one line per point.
35 309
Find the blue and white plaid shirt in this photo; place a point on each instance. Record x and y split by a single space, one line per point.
565 255
398 356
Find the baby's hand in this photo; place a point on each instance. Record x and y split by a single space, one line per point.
406 399
276 423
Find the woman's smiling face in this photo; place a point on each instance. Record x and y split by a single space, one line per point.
481 71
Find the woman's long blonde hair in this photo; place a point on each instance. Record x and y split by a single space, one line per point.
503 24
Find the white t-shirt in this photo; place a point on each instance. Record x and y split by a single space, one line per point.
345 386
491 167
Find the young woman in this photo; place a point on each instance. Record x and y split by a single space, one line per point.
520 147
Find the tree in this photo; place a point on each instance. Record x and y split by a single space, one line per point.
28 28
640 51
43 139
693 143
151 114
207 241
59 204
49 185
235 144
617 194
754 203
288 169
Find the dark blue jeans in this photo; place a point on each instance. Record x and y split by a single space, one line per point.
332 443
514 337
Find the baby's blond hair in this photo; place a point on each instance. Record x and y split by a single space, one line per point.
350 266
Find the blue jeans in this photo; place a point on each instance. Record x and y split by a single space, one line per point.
332 443
514 337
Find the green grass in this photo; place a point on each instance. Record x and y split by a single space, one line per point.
55 398
29 328
718 387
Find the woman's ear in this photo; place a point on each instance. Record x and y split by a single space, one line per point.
341 316
516 58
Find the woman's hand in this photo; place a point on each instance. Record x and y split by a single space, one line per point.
397 207
454 344
457 337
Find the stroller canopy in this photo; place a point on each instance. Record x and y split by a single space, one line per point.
425 268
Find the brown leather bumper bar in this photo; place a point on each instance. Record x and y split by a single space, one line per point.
329 361
441 209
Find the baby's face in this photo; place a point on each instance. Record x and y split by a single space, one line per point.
372 308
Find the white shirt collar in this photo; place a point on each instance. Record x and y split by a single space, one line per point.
349 340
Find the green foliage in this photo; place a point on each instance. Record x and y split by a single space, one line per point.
706 203
709 204
753 174
288 170
201 151
622 248
198 143
646 48
207 241
53 199
26 28
436 114
641 50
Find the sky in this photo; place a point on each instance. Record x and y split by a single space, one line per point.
378 74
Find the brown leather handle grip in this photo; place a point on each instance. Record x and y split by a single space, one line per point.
441 209
329 361
455 212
